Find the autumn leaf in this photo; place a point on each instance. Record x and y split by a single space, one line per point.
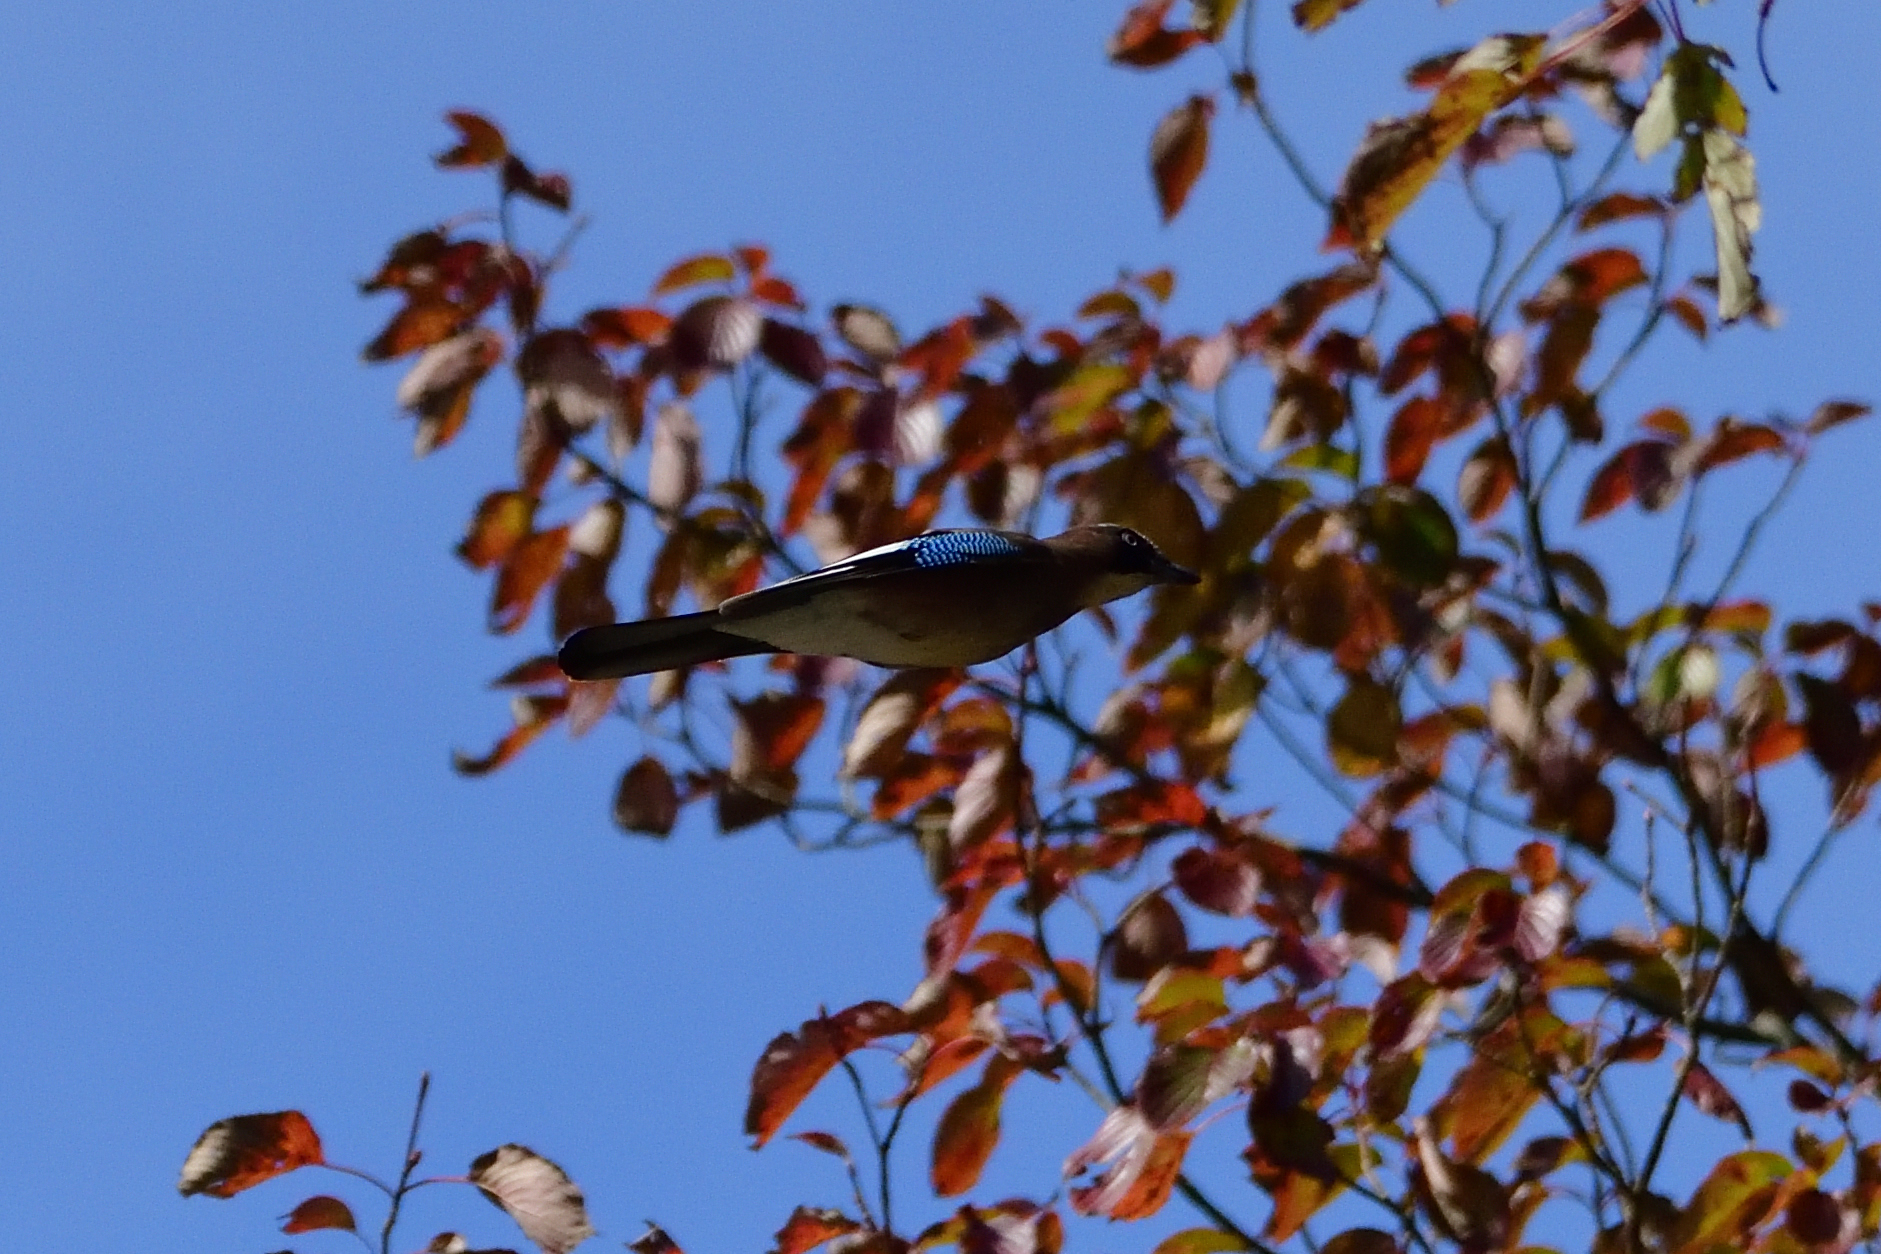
537 1194
242 1152
480 142
1178 151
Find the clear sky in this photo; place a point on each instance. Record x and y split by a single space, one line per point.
238 874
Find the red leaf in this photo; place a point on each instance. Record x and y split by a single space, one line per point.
533 716
1220 880
480 142
809 1227
1410 437
1617 207
1178 151
1144 42
240 1153
1732 440
1487 478
1708 1094
796 352
792 1064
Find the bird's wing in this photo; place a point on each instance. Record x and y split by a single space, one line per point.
933 550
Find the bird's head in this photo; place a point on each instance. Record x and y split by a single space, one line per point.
1119 562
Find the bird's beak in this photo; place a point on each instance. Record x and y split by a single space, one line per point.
1168 572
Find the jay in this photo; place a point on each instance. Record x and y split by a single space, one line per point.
943 598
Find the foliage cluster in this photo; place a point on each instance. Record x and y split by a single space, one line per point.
1413 1030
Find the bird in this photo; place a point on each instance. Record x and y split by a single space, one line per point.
945 598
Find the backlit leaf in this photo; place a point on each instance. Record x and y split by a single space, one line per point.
704 268
1314 15
1178 151
525 572
242 1152
537 1194
968 1130
793 1063
479 143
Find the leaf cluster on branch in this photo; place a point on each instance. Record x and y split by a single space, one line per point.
1549 883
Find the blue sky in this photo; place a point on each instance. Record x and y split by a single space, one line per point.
239 875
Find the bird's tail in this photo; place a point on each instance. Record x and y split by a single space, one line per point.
618 650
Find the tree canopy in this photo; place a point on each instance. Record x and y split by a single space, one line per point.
1405 884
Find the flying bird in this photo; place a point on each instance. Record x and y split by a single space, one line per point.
943 598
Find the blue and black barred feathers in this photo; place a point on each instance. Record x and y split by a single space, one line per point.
956 548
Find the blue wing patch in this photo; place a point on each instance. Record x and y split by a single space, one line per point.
959 548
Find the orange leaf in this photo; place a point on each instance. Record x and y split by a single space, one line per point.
792 1064
480 142
533 714
1732 440
625 326
704 268
969 1129
525 572
499 525
424 321
1399 158
240 1153
1178 151
809 1227
1773 742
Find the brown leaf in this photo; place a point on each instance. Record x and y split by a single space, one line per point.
438 388
889 719
1732 441
969 1129
1617 207
424 321
1834 414
1410 437
792 1064
1398 159
319 1212
716 332
1143 41
537 1194
647 799
1149 936
1314 15
793 350
1487 478
1362 729
242 1152
1708 1093
1220 880
564 377
527 569
480 142
1178 151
